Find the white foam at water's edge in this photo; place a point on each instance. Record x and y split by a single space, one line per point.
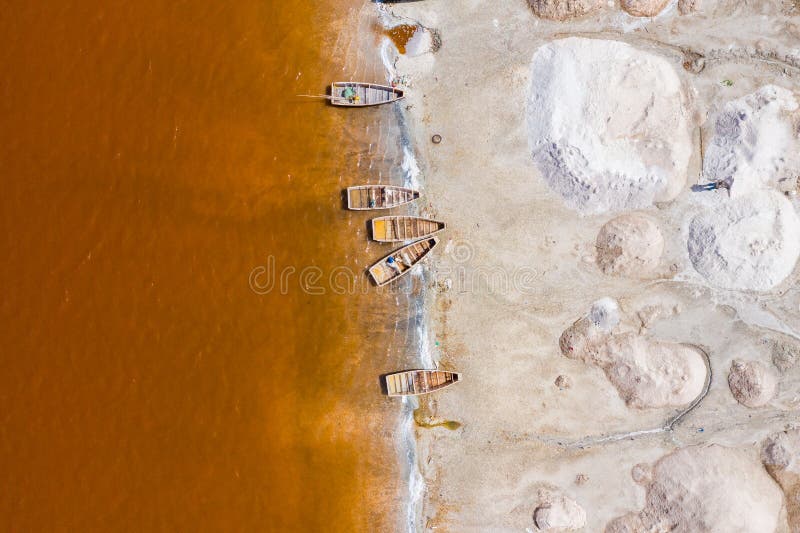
410 168
386 48
416 483
407 445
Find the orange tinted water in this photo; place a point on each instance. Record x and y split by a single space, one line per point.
400 35
153 155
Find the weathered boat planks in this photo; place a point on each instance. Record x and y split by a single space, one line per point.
363 94
404 228
365 197
415 382
403 259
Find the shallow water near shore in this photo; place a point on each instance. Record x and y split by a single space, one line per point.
190 342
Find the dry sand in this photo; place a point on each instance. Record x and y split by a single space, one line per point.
522 261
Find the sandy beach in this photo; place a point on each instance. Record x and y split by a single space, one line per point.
629 343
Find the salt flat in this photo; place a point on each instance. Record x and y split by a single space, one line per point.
553 130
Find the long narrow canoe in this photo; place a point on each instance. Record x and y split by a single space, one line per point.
404 228
404 260
414 382
365 94
363 197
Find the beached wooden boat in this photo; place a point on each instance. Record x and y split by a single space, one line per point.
362 197
403 260
404 228
363 94
414 382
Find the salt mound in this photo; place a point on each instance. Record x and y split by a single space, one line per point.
746 243
643 8
605 314
646 373
559 513
752 138
781 453
706 490
607 124
629 245
752 383
650 373
781 457
563 9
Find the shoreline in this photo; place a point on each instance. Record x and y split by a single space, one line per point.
413 177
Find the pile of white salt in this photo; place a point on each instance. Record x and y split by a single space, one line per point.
750 239
608 126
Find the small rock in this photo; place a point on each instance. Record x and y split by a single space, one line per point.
752 383
564 9
563 382
559 513
643 8
784 356
686 7
581 479
444 285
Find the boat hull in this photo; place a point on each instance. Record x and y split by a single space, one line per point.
377 197
416 382
366 94
404 228
405 259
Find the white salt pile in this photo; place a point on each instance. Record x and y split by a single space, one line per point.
604 314
646 373
559 513
749 243
706 490
629 245
753 137
564 9
752 383
607 124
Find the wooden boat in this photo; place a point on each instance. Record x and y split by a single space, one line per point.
404 260
404 228
414 382
363 197
366 94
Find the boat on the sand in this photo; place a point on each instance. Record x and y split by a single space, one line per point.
363 197
414 382
359 94
404 228
400 262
